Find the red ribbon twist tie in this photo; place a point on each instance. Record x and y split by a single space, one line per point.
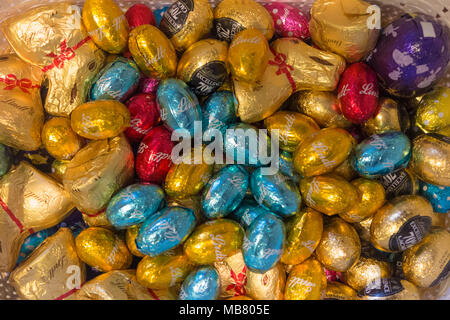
240 282
283 67
67 53
13 217
11 82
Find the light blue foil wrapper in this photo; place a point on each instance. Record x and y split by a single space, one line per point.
33 241
165 230
134 204
219 112
159 13
247 212
287 167
382 154
116 81
224 191
201 284
178 105
264 243
277 193
439 196
5 159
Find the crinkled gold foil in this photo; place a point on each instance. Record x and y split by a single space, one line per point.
98 219
306 281
433 114
239 298
339 291
409 292
130 238
345 170
268 285
52 271
59 139
233 276
390 117
363 228
365 271
58 169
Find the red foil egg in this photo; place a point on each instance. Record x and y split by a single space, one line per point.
289 21
148 85
153 158
144 115
333 275
139 14
358 93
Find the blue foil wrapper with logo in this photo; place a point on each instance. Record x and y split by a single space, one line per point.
247 212
287 167
439 196
201 284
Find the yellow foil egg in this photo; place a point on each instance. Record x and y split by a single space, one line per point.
304 231
433 113
345 170
340 247
371 198
268 285
103 249
248 55
214 241
366 270
100 119
427 263
329 194
152 52
401 223
390 117
59 139
363 229
293 128
306 281
339 291
106 24
130 237
390 289
164 270
323 151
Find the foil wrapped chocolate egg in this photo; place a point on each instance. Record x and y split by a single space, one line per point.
366 270
398 183
187 21
439 196
201 284
165 230
382 154
248 55
130 239
178 105
429 160
293 128
339 248
203 66
344 27
345 170
134 204
263 243
306 281
275 192
102 249
426 264
401 223
304 231
59 139
144 115
159 13
247 211
153 52
149 85
433 113
219 112
287 166
214 241
268 285
329 194
289 21
100 119
363 229
5 159
323 151
411 55
139 14
233 16
390 289
224 191
339 291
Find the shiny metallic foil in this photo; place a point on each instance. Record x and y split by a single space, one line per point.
193 203
21 112
233 276
391 117
98 219
345 170
53 38
52 271
306 281
390 289
97 171
34 202
339 291
433 114
341 26
363 228
365 271
130 239
268 285
59 139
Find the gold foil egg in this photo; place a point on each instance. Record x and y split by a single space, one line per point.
106 24
342 27
363 228
329 194
366 270
323 151
339 291
100 119
390 289
58 169
240 298
293 128
345 170
214 241
306 281
304 231
130 237
153 52
426 264
268 285
401 223
233 276
371 198
187 21
59 139
433 113
103 249
390 117
248 55
340 247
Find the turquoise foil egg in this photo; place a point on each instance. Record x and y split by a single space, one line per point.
382 154
201 284
116 81
287 167
219 112
439 196
247 212
134 204
178 105
276 192
224 191
165 230
5 159
263 243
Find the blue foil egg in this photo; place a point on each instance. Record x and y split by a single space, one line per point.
263 243
276 192
5 159
382 154
165 230
178 105
201 284
287 166
116 81
439 196
133 204
247 212
219 112
224 191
